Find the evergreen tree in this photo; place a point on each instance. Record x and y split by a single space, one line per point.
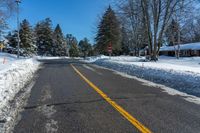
58 42
3 28
44 37
71 43
73 51
27 44
12 39
85 47
108 32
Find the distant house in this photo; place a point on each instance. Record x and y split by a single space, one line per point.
186 50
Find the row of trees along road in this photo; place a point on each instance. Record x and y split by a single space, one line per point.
46 41
41 39
137 24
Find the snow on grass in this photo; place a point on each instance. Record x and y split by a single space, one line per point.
127 59
188 64
114 58
182 75
14 74
95 58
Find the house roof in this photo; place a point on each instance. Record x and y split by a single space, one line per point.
189 46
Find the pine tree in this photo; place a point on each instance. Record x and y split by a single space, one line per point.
85 47
108 32
3 28
27 43
71 43
59 47
12 39
73 51
44 35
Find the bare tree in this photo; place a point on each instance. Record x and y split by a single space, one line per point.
190 30
149 19
157 14
130 14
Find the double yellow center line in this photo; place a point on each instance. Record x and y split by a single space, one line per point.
123 112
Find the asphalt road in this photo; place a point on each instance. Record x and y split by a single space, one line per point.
62 101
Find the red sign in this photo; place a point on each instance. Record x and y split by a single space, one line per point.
110 48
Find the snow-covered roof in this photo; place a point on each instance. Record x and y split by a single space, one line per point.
189 46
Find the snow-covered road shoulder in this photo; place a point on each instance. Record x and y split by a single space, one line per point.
14 75
183 75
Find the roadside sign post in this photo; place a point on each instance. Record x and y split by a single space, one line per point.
110 49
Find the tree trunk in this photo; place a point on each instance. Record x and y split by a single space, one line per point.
179 39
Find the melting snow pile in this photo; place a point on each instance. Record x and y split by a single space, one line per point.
14 74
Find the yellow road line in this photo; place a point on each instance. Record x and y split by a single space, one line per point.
123 112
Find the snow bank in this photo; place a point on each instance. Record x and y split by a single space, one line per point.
14 74
95 58
50 58
127 59
114 58
188 65
182 75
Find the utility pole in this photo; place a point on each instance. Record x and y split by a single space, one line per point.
18 26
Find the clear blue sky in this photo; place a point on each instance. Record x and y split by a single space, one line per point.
78 17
